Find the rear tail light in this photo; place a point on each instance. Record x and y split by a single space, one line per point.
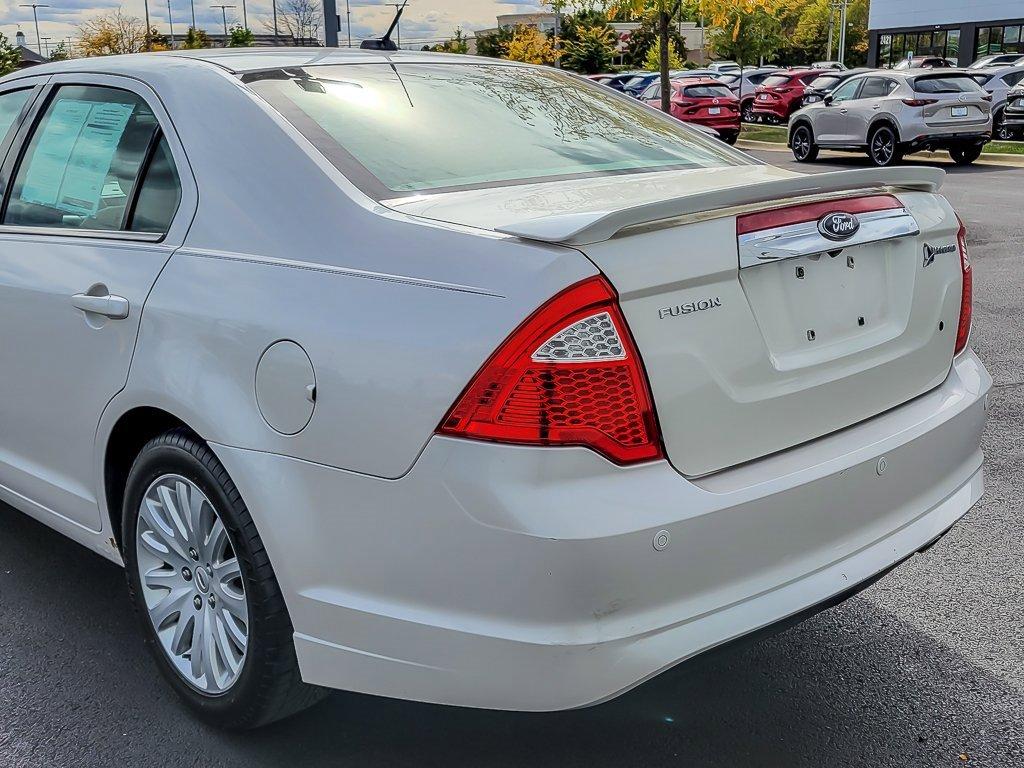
783 90
963 330
920 102
569 375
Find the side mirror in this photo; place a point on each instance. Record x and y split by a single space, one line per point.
827 101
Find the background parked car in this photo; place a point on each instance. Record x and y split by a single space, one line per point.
998 60
926 62
891 114
724 66
616 82
638 83
999 81
1013 114
828 82
743 87
781 93
701 100
829 65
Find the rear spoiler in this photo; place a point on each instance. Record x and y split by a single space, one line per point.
597 226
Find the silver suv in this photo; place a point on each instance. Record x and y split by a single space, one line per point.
998 81
892 114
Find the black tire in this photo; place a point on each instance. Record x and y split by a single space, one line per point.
747 112
966 155
802 144
730 137
269 687
1001 131
884 147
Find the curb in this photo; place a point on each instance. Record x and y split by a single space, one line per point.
993 158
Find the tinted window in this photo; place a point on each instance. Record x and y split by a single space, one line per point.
707 92
876 87
83 160
981 79
652 92
159 194
773 81
412 127
729 79
11 105
947 84
1013 78
825 82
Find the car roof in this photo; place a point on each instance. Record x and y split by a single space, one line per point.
242 60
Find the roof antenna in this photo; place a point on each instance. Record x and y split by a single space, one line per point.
385 43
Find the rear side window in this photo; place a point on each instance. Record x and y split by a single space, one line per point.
1013 78
82 163
875 87
159 193
11 104
707 92
947 84
773 81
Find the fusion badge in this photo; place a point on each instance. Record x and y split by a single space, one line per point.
689 308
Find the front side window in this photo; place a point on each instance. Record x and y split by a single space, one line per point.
415 127
84 158
846 91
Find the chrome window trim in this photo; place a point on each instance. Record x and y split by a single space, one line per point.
795 240
101 234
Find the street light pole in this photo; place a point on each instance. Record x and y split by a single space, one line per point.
35 17
842 31
348 22
145 44
224 17
245 16
274 5
192 3
170 22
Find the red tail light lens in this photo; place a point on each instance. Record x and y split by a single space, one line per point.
569 375
963 330
920 102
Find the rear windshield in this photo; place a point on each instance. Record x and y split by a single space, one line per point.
825 82
981 79
947 84
707 91
773 80
729 78
413 127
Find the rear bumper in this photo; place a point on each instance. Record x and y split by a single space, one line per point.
531 579
779 109
942 140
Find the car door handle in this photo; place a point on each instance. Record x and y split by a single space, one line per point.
844 111
114 307
876 106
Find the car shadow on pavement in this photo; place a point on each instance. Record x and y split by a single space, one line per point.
852 686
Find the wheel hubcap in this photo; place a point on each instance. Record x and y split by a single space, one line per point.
192 584
882 146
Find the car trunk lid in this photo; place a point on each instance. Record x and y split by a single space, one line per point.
759 333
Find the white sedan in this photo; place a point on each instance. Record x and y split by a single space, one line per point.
458 380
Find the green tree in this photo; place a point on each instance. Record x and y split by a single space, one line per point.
745 30
663 13
61 52
241 38
590 50
810 31
643 38
495 44
196 38
653 60
9 55
458 44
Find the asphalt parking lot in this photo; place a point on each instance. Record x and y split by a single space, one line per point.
926 668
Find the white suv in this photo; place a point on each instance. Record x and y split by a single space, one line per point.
892 114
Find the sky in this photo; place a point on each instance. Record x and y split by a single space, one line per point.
423 20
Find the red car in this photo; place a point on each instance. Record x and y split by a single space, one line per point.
781 94
701 100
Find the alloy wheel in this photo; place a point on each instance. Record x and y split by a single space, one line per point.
801 143
192 584
883 146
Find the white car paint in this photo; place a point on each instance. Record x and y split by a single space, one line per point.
478 573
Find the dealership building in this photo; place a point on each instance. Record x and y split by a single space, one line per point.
964 30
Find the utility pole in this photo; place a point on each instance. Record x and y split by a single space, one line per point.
842 30
46 44
245 16
224 17
145 44
35 17
348 22
170 23
192 3
274 5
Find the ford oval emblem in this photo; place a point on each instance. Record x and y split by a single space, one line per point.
838 225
